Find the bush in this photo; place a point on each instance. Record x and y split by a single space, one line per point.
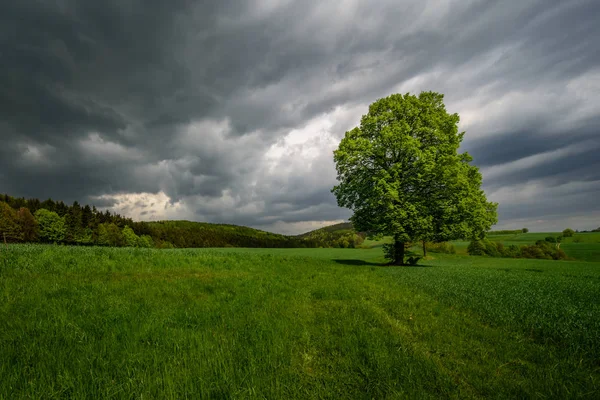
550 239
542 249
533 251
413 260
568 232
512 251
443 248
476 248
524 230
491 249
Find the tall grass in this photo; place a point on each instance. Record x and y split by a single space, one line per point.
315 323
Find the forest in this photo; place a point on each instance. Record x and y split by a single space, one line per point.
34 221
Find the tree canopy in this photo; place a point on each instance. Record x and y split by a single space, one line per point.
401 173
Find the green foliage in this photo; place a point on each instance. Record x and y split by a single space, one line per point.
165 245
130 239
442 248
27 224
542 249
110 235
559 239
568 232
401 174
512 251
86 225
51 226
145 241
412 259
508 232
339 235
9 224
477 248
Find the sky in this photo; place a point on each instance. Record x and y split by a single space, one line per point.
228 111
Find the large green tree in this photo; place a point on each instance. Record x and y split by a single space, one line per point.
401 173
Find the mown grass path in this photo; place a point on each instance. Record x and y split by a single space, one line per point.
314 323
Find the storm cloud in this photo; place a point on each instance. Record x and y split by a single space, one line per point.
228 111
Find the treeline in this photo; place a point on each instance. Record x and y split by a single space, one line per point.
593 230
197 234
508 232
339 235
49 221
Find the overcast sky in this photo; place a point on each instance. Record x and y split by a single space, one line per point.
228 111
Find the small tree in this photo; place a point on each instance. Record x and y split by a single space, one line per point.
568 232
51 225
28 225
10 230
525 230
145 241
131 239
401 174
109 234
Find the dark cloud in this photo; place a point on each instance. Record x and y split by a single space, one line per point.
228 110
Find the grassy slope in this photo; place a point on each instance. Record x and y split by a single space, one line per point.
293 323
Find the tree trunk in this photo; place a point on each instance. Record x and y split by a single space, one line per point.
398 252
424 250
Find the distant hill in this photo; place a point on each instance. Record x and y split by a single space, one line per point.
202 234
344 226
338 235
49 221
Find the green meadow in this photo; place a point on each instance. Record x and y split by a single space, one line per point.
583 246
293 323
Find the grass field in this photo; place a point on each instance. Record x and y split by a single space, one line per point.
297 323
582 246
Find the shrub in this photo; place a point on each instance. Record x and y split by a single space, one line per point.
568 232
476 248
512 251
550 239
413 260
524 230
443 248
542 249
491 249
533 251
559 254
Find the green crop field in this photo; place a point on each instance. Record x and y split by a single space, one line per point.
298 323
582 246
